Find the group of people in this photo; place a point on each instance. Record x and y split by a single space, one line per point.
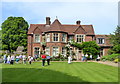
10 59
44 58
85 58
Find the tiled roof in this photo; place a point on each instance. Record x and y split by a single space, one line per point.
57 26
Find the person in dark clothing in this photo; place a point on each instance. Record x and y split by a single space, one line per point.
48 60
43 59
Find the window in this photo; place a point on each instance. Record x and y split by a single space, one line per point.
47 37
64 37
64 51
37 38
47 50
70 38
55 36
55 51
101 40
36 51
80 38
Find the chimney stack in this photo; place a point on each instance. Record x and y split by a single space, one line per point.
78 22
48 21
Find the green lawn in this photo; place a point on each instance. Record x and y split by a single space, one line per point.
60 72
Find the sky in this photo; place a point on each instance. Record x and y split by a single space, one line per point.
103 15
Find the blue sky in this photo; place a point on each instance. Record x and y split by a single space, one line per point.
102 15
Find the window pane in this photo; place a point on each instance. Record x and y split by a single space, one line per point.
47 50
48 38
55 51
55 37
37 38
36 51
64 37
80 38
101 40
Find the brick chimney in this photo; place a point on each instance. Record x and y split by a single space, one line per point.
78 22
48 21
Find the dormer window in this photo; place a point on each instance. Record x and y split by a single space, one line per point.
36 38
101 40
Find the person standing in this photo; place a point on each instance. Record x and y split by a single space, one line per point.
43 59
98 58
48 59
12 59
90 57
8 59
69 60
17 59
5 58
24 59
30 59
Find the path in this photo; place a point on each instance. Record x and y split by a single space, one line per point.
109 63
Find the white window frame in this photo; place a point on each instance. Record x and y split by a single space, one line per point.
47 37
56 53
35 38
102 40
64 39
47 49
53 37
80 37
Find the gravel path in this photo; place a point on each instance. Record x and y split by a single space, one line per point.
109 63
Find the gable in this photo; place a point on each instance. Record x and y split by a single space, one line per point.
37 31
80 30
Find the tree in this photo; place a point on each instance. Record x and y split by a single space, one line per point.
90 48
14 33
115 40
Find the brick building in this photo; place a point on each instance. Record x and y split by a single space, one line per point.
53 37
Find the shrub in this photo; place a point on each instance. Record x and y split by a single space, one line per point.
110 57
116 60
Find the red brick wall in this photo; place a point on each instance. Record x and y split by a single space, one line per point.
88 38
29 46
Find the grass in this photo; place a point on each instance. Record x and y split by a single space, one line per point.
60 72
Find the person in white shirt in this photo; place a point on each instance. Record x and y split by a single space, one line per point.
8 59
98 58
30 60
24 59
12 59
90 57
5 58
69 59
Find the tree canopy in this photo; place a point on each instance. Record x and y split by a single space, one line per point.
90 48
115 40
14 33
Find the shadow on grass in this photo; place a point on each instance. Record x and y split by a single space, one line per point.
33 75
40 76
